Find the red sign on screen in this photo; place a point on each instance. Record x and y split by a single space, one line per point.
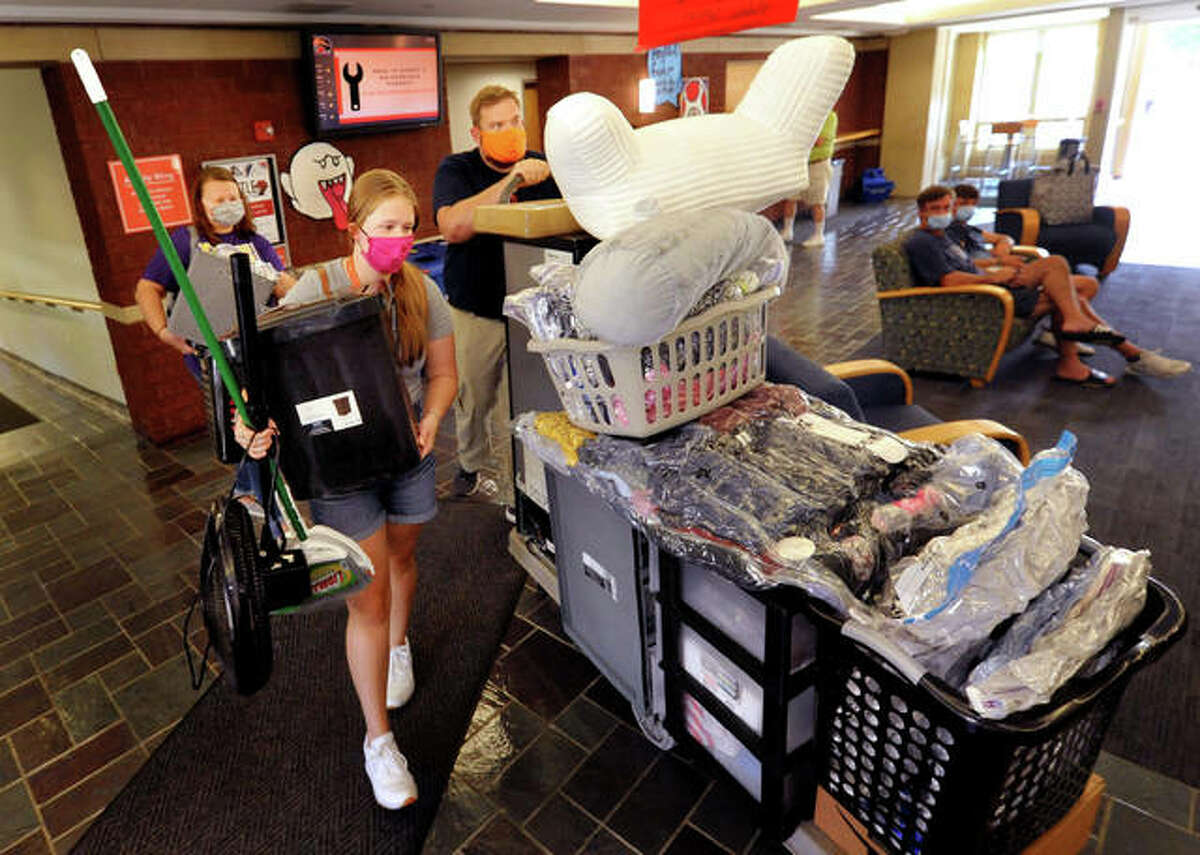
664 22
382 84
168 191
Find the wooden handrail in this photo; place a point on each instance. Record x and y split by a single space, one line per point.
120 314
855 136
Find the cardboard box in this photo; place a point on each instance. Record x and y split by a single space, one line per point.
526 219
1067 837
1070 834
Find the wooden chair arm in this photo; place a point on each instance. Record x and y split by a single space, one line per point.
944 433
1031 223
870 367
1030 251
1121 227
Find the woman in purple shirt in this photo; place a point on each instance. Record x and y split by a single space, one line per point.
221 217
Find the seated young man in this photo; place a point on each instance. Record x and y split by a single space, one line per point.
1045 286
995 248
989 248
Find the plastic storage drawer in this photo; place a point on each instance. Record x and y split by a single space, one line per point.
740 616
734 688
738 760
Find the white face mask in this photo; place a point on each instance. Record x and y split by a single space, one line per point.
938 221
964 213
228 213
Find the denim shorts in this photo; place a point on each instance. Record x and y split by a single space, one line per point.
409 499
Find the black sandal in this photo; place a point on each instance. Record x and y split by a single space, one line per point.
1096 379
1099 334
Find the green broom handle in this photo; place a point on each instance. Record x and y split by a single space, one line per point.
99 98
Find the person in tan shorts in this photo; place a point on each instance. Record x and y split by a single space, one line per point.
820 173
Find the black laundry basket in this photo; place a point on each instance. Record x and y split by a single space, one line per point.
925 774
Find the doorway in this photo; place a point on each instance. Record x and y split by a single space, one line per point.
1153 170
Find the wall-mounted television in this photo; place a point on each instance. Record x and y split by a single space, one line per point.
363 80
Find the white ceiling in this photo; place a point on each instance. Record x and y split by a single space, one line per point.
510 15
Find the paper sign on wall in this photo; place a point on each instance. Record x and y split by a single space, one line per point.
662 22
693 98
665 67
163 175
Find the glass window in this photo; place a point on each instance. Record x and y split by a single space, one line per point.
1067 71
1039 74
1009 74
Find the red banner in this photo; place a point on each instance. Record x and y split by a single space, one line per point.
663 22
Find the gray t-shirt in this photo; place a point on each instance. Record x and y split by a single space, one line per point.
438 323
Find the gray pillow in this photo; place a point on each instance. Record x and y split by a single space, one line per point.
637 286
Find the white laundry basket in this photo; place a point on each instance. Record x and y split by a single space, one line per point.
638 391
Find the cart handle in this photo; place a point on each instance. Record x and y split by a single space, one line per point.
892 653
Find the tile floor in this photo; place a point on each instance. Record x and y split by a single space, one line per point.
98 541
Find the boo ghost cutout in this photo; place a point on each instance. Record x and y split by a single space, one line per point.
612 176
318 182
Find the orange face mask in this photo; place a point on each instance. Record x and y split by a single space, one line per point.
506 146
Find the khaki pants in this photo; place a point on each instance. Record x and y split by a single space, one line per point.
479 352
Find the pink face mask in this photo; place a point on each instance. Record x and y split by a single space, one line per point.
387 254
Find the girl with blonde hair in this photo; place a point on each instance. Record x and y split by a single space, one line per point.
386 520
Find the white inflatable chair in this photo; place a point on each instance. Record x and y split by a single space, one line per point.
613 176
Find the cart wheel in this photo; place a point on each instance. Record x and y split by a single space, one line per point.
653 730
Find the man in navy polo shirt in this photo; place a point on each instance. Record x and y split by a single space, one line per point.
474 268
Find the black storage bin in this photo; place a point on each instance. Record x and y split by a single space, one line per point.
925 774
774 761
333 387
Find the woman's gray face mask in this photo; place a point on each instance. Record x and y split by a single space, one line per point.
228 213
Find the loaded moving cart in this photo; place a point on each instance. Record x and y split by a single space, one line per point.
727 673
777 691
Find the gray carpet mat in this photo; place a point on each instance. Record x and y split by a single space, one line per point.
282 770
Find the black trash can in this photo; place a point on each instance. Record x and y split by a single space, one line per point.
333 387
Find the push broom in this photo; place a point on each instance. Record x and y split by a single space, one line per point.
331 576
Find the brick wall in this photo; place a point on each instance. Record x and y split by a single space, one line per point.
201 111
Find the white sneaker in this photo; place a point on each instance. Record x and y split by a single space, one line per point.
400 683
388 770
1046 338
1153 364
814 241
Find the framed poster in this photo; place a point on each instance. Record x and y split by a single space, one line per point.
163 175
258 177
693 97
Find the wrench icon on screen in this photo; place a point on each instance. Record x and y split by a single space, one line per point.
353 78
